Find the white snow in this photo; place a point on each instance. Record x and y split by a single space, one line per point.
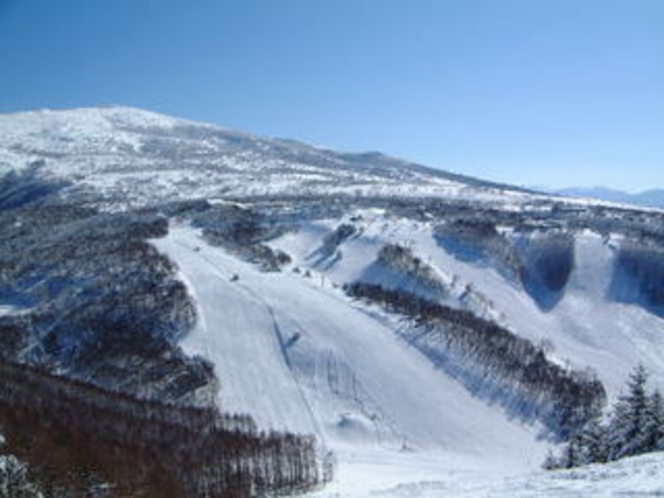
637 476
297 354
586 328
106 148
10 309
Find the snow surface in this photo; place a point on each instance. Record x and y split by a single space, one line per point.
586 328
297 354
123 153
637 476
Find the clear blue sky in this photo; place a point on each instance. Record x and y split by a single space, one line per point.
535 92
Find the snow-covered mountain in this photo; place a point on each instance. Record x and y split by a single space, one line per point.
133 157
417 323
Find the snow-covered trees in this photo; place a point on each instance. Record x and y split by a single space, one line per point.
495 363
94 298
14 480
644 263
242 231
635 426
76 435
654 439
593 442
628 426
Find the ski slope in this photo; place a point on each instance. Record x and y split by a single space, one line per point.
297 354
586 328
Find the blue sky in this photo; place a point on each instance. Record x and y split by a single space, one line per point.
531 92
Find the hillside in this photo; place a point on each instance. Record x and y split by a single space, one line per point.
419 324
122 156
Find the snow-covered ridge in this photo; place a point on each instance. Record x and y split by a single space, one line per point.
131 156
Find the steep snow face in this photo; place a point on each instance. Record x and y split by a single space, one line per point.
297 354
584 327
133 157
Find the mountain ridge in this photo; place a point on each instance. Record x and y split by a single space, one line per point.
146 141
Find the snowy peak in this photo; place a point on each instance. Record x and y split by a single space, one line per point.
92 119
127 157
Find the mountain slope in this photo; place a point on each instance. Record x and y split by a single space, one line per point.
295 353
577 326
130 156
416 322
300 356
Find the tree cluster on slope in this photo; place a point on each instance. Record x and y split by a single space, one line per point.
644 262
14 477
75 434
25 187
242 231
329 250
93 299
402 260
634 426
473 236
494 363
547 261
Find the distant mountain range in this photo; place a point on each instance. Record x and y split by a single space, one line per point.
649 198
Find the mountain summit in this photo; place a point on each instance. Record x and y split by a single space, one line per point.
131 156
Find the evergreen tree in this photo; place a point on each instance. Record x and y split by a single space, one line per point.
573 454
628 426
636 426
14 482
654 424
594 441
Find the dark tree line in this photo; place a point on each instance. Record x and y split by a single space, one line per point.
329 249
15 477
242 231
495 363
402 260
96 300
634 426
75 434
